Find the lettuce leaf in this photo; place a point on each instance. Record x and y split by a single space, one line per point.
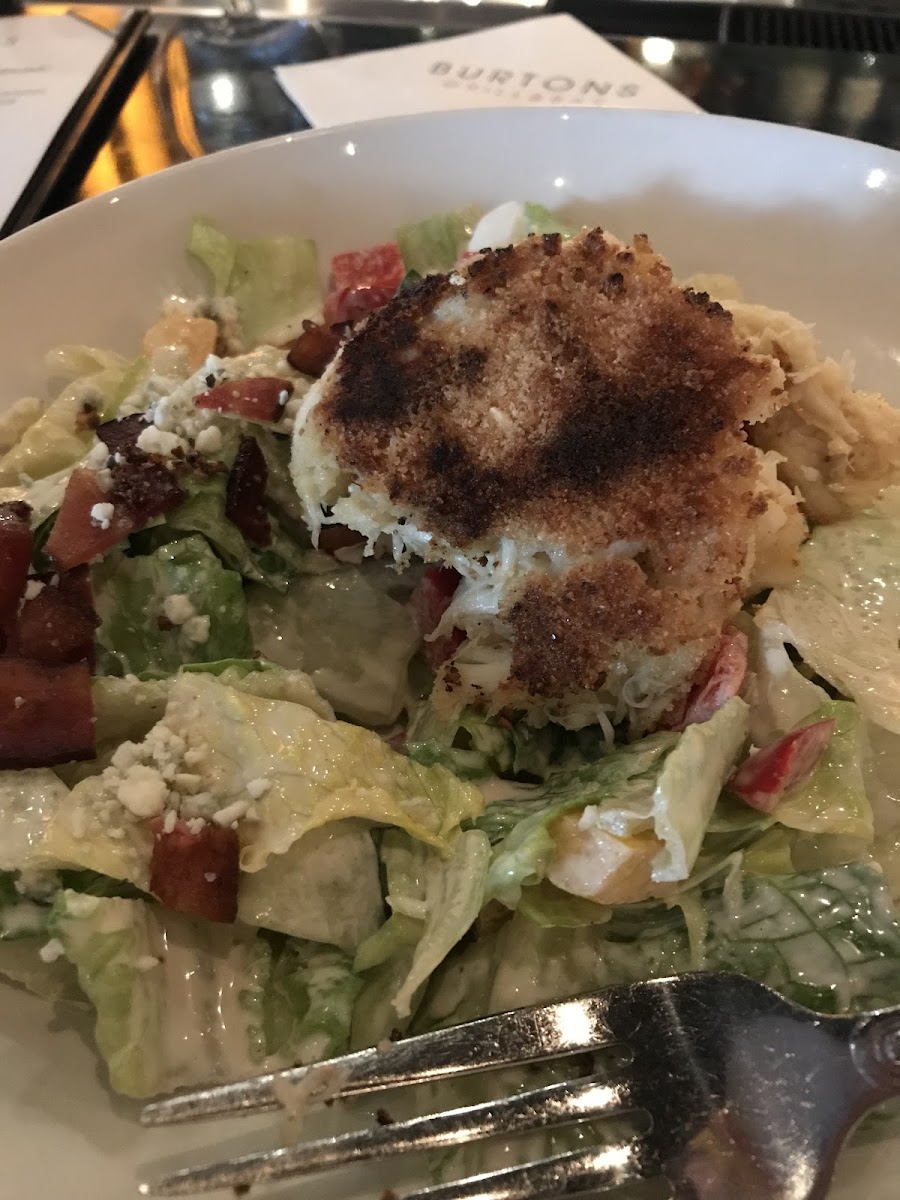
274 281
543 220
204 512
53 443
512 222
833 799
318 771
664 784
21 963
828 939
350 636
126 709
782 698
28 801
76 833
180 1001
436 243
435 900
129 594
476 746
843 612
324 888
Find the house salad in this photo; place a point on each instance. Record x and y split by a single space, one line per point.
319 725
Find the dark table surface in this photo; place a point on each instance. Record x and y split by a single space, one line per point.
207 81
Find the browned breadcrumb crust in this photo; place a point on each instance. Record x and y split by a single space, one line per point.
567 394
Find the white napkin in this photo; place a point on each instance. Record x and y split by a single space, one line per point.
46 62
542 60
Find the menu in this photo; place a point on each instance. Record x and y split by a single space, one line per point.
542 60
46 62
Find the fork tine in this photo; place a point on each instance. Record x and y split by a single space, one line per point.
597 1169
557 1104
526 1035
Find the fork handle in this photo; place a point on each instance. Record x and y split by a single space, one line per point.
875 1049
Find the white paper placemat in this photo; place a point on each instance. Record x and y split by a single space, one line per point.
542 60
46 62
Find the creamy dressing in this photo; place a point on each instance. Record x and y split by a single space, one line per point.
204 1032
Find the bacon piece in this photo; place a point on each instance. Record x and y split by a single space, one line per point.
15 558
144 487
430 601
76 538
766 775
46 714
261 399
196 873
348 305
57 625
120 437
245 493
314 349
719 682
379 266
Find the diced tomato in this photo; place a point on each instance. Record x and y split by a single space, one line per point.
378 267
196 873
57 625
46 714
245 493
771 772
348 305
261 399
720 682
430 601
432 597
76 537
314 349
15 558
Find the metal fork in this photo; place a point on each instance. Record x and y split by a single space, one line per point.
749 1096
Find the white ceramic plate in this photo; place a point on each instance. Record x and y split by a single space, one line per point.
806 222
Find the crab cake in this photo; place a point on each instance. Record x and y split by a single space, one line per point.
566 427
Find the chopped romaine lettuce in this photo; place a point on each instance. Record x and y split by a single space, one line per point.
436 243
475 746
833 798
20 915
274 280
513 221
136 635
324 888
547 905
274 683
180 1001
664 785
28 802
451 896
53 443
782 698
827 939
57 981
351 637
434 901
843 612
539 220
204 512
126 709
317 771
520 829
